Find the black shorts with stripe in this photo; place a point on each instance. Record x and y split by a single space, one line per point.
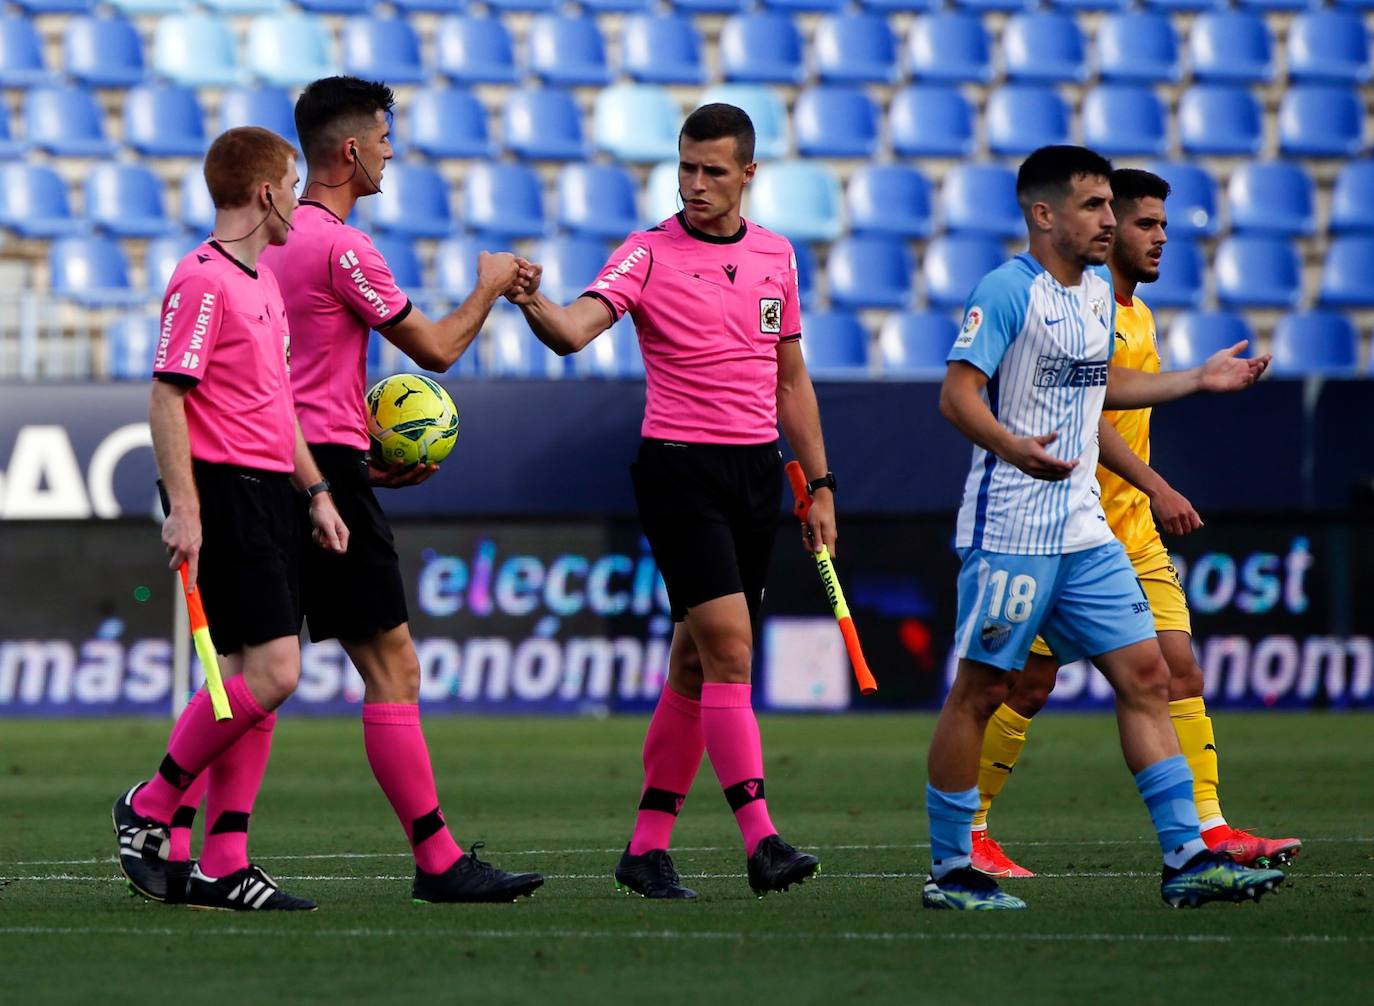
356 595
249 555
710 512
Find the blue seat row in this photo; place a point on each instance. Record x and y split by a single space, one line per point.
1227 46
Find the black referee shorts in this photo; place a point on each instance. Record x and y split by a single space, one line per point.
710 512
249 555
358 594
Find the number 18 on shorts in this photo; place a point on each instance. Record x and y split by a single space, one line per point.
1084 604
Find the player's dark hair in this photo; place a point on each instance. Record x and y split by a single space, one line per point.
717 121
240 160
1047 174
1130 184
333 107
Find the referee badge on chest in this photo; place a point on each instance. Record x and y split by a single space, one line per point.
770 315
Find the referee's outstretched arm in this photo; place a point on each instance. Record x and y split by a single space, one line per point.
564 330
800 419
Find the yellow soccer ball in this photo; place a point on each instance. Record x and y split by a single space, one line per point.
411 419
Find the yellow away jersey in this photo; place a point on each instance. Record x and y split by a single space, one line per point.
1127 508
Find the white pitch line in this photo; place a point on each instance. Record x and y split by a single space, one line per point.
276 933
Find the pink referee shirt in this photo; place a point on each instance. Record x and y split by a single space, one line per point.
224 333
710 312
337 289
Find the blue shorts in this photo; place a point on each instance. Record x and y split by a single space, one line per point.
1084 604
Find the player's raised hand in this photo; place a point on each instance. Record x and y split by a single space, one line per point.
331 533
1029 455
1226 371
1176 515
496 271
182 537
385 476
526 284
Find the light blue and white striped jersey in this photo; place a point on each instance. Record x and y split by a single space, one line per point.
1045 348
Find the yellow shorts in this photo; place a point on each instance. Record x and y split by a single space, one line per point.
1164 591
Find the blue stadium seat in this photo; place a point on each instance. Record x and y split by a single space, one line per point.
288 49
514 351
570 265
504 200
474 50
455 266
448 122
1138 46
899 6
1220 120
534 6
763 47
1256 271
806 274
92 271
617 6
567 51
335 6
1023 117
66 121
1091 5
636 122
889 199
1193 200
413 202
835 346
869 272
161 256
1125 120
129 346
953 266
1272 197
408 7
1043 47
382 48
855 49
836 120
1321 120
21 54
1231 47
54 6
1182 275
949 46
997 5
600 358
136 8
709 6
805 5
980 199
197 209
34 202
402 260
763 106
102 52
661 195
1196 335
799 199
1347 280
914 344
1186 5
597 200
1328 46
126 200
269 107
1357 4
662 49
1352 199
1311 343
196 50
543 124
628 356
930 120
233 7
1276 5
164 120
10 146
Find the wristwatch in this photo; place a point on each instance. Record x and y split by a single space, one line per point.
826 481
321 486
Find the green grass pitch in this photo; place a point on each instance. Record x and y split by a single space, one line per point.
558 795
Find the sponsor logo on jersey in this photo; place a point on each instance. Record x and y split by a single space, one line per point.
1098 306
994 635
349 260
625 265
770 315
1061 372
972 322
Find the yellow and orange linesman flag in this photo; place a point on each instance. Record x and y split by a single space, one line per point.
802 508
205 649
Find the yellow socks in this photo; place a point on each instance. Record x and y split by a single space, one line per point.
1199 746
1002 744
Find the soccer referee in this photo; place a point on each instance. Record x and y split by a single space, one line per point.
714 301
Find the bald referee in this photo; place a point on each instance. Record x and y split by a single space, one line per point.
714 300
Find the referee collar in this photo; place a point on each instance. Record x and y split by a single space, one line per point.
213 243
322 206
714 239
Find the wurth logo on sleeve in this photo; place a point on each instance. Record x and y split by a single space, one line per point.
169 315
349 260
626 264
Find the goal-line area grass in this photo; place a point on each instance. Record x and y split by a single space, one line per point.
559 794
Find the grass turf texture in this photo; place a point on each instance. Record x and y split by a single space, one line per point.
558 795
